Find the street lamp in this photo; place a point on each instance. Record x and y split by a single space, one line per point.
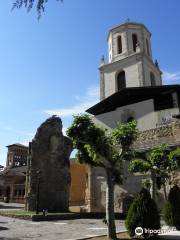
38 172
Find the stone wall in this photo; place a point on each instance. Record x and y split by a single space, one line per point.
49 155
166 134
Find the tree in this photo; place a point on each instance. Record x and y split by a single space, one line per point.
28 4
172 208
143 213
98 147
160 162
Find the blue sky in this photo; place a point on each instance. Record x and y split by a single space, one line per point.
51 65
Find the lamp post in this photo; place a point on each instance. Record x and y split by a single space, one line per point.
38 172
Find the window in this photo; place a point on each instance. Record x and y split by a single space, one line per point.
134 41
152 78
121 80
147 46
119 45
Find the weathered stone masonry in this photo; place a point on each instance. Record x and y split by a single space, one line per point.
166 134
49 154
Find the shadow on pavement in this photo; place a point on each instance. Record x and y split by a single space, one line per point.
10 207
3 228
5 238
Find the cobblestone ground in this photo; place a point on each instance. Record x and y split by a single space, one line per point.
16 229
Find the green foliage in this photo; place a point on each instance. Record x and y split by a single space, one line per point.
90 140
172 208
147 184
167 214
159 157
139 165
143 213
174 156
125 134
28 4
161 160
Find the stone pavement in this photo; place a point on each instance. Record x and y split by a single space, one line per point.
16 229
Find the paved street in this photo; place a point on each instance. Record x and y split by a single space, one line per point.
15 229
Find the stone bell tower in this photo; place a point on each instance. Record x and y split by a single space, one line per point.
130 60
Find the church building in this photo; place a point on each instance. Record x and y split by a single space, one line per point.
131 84
131 89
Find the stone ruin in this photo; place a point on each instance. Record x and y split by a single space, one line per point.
49 168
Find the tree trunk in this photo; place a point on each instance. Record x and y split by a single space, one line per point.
165 192
153 178
110 216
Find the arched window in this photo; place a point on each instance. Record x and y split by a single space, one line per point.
152 78
147 46
119 45
121 80
134 41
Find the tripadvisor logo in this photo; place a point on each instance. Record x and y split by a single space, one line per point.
139 231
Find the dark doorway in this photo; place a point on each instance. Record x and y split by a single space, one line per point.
7 194
121 80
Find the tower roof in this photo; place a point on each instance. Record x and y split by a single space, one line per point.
126 24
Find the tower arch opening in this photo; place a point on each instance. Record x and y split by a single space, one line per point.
119 45
134 41
121 80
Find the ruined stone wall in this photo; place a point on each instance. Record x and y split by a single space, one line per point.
50 152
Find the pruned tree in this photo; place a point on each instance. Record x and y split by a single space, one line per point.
98 147
159 162
29 4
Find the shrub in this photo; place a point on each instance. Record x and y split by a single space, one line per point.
167 214
143 213
172 208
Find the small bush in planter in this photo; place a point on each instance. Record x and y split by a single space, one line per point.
143 213
171 211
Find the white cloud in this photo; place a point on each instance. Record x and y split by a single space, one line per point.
171 77
89 99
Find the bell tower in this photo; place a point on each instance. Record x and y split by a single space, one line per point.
130 60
